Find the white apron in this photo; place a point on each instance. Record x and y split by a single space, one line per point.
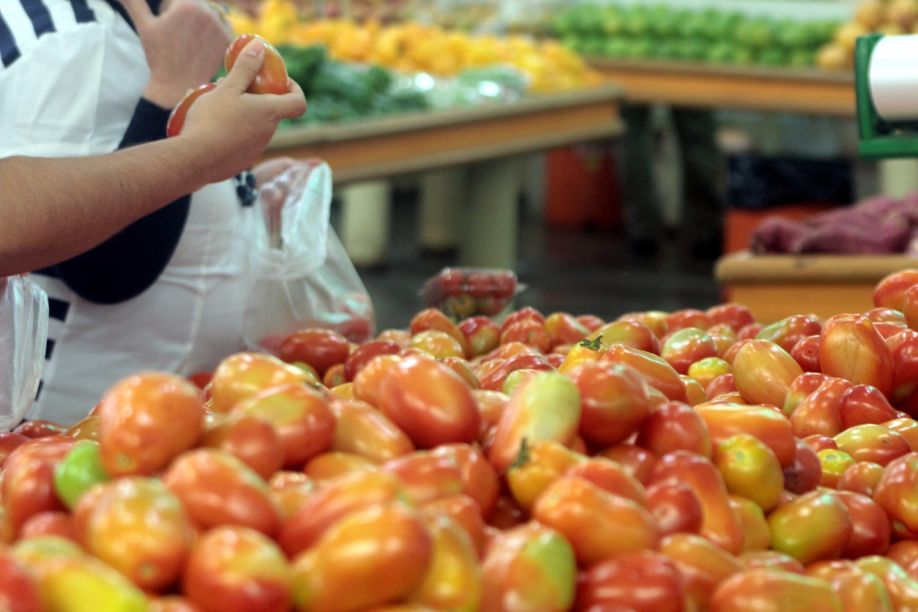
187 321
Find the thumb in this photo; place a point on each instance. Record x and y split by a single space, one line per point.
139 12
246 67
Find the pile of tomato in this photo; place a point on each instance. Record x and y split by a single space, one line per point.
692 460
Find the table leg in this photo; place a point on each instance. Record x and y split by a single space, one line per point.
365 211
491 219
443 194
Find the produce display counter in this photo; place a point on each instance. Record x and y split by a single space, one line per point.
495 134
777 286
806 91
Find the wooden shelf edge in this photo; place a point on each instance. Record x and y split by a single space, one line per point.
745 268
798 75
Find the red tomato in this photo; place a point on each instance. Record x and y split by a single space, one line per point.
905 553
720 385
333 464
494 376
637 461
464 512
432 319
703 565
644 581
336 499
674 507
8 443
591 322
614 401
862 477
870 528
874 443
370 557
820 411
218 489
173 603
688 317
897 491
364 431
19 590
40 429
177 117
479 478
720 523
770 426
910 306
290 491
748 332
234 568
675 426
27 486
735 315
301 416
430 403
527 312
806 353
863 404
902 588
146 420
370 378
763 372
252 439
628 332
243 375
804 473
481 333
426 476
528 331
814 527
53 523
858 589
850 347
598 525
563 328
658 373
766 590
320 348
684 347
771 559
890 291
137 526
787 332
272 78
611 477
362 356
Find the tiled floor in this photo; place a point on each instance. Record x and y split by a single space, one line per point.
575 271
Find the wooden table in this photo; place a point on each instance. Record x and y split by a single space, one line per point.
805 91
777 286
486 140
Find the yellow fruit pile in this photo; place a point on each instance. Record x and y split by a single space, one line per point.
412 47
890 17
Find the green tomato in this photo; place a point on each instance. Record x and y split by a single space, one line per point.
80 469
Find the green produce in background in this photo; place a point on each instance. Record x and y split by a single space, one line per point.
676 33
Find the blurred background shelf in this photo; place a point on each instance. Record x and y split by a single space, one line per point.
774 286
391 146
807 91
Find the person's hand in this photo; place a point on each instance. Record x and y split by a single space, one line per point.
233 126
184 45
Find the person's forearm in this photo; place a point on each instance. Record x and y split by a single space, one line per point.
54 209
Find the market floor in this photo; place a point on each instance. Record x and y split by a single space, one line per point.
577 271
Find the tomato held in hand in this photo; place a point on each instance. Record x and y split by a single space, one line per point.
272 78
177 116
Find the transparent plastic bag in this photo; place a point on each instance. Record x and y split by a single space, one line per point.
302 276
23 333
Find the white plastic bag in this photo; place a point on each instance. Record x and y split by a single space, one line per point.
23 333
301 272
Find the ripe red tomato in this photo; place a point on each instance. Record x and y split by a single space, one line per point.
146 420
432 404
27 486
804 473
19 590
8 443
703 565
137 526
644 581
675 426
370 378
252 439
301 416
890 291
219 489
851 348
177 116
637 461
236 569
370 557
272 78
366 432
426 476
762 589
614 401
53 523
362 356
688 317
806 353
528 331
870 527
320 348
465 512
479 478
674 507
